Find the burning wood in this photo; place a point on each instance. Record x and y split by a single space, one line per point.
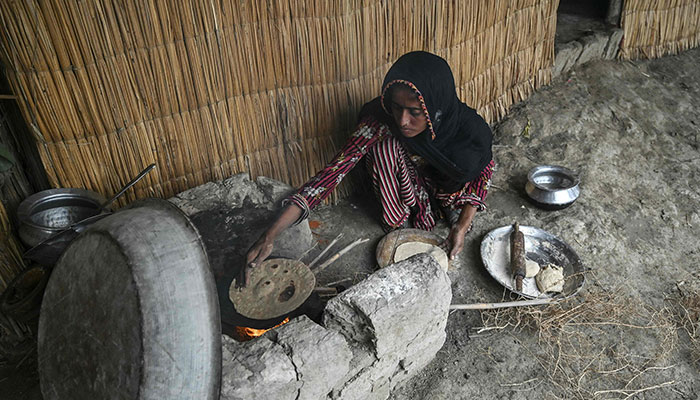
244 334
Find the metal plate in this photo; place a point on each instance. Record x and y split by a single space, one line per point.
276 287
387 246
541 247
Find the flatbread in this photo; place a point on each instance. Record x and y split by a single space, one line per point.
531 268
277 286
409 249
550 279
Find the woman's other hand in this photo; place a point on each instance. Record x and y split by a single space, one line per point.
455 240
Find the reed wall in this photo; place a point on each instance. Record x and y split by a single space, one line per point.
655 28
207 89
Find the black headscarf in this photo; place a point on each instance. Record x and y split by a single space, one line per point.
457 141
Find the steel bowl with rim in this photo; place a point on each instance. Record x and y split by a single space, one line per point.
51 211
552 187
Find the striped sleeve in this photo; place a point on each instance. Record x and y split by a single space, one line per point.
473 193
367 134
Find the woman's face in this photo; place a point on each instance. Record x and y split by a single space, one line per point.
407 111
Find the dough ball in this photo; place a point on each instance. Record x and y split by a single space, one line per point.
409 249
531 268
550 279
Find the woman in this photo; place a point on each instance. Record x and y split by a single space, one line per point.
423 147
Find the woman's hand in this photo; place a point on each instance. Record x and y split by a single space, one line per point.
262 248
455 240
258 252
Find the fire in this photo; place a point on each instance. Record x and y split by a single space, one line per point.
244 334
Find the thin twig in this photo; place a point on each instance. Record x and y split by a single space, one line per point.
338 254
338 281
629 393
307 251
315 260
520 383
645 370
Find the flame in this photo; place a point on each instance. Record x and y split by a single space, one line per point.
245 334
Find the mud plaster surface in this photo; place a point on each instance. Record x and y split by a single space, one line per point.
631 130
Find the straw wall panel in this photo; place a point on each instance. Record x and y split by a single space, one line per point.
655 28
206 89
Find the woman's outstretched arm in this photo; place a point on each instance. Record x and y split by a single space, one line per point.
313 192
262 247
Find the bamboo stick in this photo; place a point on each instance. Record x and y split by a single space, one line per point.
325 250
337 255
505 304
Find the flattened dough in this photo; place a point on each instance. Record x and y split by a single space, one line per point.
409 249
550 279
531 268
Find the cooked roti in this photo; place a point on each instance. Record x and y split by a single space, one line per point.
409 249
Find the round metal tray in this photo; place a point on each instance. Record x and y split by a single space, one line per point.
541 247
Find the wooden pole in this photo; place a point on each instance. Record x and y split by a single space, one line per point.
507 304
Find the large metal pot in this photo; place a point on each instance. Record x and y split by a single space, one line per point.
552 187
48 212
131 312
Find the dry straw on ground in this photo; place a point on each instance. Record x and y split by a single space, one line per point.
686 306
655 28
599 345
209 89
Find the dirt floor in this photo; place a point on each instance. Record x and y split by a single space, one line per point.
630 129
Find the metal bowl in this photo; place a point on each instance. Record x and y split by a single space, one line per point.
552 187
51 211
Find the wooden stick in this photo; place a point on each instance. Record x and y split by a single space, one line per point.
491 306
307 251
315 260
338 254
338 281
325 290
7 97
